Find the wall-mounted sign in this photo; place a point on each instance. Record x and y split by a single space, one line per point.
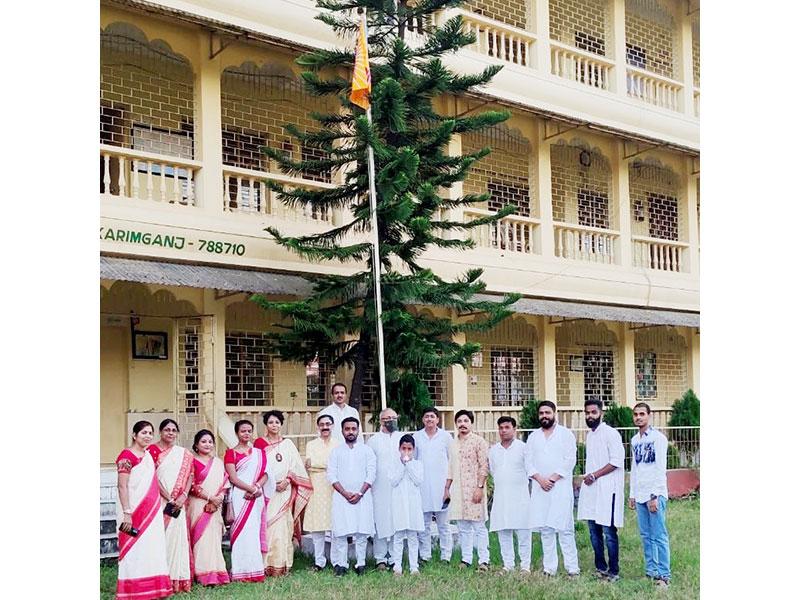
176 242
477 360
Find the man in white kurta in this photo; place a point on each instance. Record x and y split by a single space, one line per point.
550 455
601 501
351 472
406 474
432 447
507 466
386 445
339 410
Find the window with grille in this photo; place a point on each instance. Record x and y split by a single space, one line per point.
662 214
242 148
512 376
310 153
590 43
167 142
593 212
504 193
436 381
188 347
636 56
249 377
317 376
598 375
646 381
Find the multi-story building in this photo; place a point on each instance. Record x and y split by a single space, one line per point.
600 157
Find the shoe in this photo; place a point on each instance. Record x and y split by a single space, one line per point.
662 583
525 572
483 568
601 574
423 561
548 574
316 568
612 578
574 575
381 566
361 570
340 571
464 565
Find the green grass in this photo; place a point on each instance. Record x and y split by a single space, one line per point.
447 581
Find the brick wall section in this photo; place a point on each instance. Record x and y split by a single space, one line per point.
569 176
651 40
505 173
255 107
574 341
653 214
512 12
145 87
581 23
671 373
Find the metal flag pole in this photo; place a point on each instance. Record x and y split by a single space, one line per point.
376 256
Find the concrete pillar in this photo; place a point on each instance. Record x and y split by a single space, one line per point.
221 424
208 129
693 227
458 377
617 16
627 395
693 359
541 27
545 238
623 249
686 74
547 360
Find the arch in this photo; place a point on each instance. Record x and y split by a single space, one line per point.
124 297
585 332
121 37
515 330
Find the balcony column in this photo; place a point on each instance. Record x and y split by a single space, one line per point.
458 377
686 73
545 239
208 131
693 359
617 16
627 396
541 27
547 361
214 348
690 206
619 181
457 189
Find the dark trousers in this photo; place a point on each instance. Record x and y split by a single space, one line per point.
609 532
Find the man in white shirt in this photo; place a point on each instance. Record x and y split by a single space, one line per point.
351 472
550 459
338 410
511 496
386 445
649 494
432 445
601 500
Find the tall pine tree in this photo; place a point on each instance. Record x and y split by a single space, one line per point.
336 323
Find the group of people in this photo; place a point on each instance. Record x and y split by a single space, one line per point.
389 488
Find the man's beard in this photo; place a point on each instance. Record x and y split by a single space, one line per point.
546 423
592 423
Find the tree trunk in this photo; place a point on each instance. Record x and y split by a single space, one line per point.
360 371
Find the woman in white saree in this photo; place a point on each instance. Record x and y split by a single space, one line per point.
142 565
174 472
247 470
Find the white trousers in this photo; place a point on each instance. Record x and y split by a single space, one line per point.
318 537
339 550
506 537
413 550
473 534
566 540
382 550
445 537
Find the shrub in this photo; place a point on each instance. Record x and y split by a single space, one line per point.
580 463
673 457
529 417
685 413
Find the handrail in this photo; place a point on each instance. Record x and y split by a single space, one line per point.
150 156
603 60
279 177
652 240
488 213
586 228
656 76
489 22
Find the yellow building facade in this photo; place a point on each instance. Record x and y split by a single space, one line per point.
600 157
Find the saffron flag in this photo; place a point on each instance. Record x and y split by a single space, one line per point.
362 79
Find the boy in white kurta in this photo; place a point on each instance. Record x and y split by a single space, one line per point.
406 475
351 471
385 444
550 455
601 501
507 466
432 446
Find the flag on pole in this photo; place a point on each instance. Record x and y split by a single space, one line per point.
362 79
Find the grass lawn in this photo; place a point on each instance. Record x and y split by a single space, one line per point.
438 580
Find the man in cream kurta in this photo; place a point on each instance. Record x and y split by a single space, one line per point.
466 480
432 448
317 519
386 445
507 466
601 501
351 472
550 459
339 410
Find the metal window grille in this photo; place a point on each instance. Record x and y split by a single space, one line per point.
249 370
661 361
651 37
656 210
436 380
318 378
511 12
586 363
583 23
512 375
581 178
696 50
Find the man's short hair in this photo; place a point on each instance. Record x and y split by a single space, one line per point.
431 409
643 405
507 419
546 403
464 411
407 439
594 401
350 420
338 384
325 417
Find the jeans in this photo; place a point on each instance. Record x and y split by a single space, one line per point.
655 540
596 534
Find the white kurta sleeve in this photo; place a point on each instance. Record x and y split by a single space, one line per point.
616 451
333 467
530 467
396 472
415 471
569 455
372 465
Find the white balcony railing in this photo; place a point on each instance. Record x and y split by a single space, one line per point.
578 242
245 191
581 66
512 233
495 38
141 175
654 89
662 255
